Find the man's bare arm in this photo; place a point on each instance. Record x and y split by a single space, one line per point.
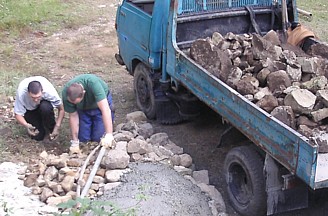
74 125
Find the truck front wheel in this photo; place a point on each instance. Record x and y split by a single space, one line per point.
143 88
243 168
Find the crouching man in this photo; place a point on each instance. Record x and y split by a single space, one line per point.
34 106
89 103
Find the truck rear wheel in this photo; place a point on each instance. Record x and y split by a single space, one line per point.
243 168
143 88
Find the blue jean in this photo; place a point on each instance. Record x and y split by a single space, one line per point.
91 124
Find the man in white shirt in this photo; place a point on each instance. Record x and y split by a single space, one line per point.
34 106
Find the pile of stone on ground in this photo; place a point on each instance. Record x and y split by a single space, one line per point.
280 78
55 178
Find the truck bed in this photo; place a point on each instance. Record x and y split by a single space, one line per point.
287 146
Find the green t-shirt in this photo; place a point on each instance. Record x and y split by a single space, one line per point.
95 90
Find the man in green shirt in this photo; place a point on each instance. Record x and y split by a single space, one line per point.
89 103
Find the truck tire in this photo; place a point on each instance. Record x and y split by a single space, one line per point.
243 169
143 88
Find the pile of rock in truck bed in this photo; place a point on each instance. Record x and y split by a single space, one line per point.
280 78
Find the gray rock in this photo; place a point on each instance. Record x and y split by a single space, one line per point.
46 193
320 114
185 160
315 84
261 93
322 95
50 173
262 76
182 170
113 175
174 148
67 183
295 73
217 38
54 201
278 81
247 85
135 157
301 101
273 37
145 130
137 116
285 114
116 159
268 103
234 76
134 146
30 180
175 160
304 120
159 139
308 65
201 176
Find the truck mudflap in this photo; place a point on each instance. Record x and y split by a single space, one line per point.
119 59
283 194
167 112
172 108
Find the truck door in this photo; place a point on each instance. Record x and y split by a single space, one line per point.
134 22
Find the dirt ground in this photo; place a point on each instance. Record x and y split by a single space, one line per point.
91 49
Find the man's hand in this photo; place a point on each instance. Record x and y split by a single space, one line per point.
107 140
31 130
75 147
54 134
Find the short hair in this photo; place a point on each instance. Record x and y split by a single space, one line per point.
34 87
74 91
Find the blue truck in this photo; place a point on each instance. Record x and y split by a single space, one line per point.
277 169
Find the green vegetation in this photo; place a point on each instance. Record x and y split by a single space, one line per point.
9 82
21 17
318 22
7 210
18 16
95 206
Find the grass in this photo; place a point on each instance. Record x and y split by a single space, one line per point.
318 23
18 16
9 81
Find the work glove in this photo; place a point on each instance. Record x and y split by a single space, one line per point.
107 141
75 147
31 130
55 133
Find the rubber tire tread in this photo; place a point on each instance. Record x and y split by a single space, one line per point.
142 70
252 163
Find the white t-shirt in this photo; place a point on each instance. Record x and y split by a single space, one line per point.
24 102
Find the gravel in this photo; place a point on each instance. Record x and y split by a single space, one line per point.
165 192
